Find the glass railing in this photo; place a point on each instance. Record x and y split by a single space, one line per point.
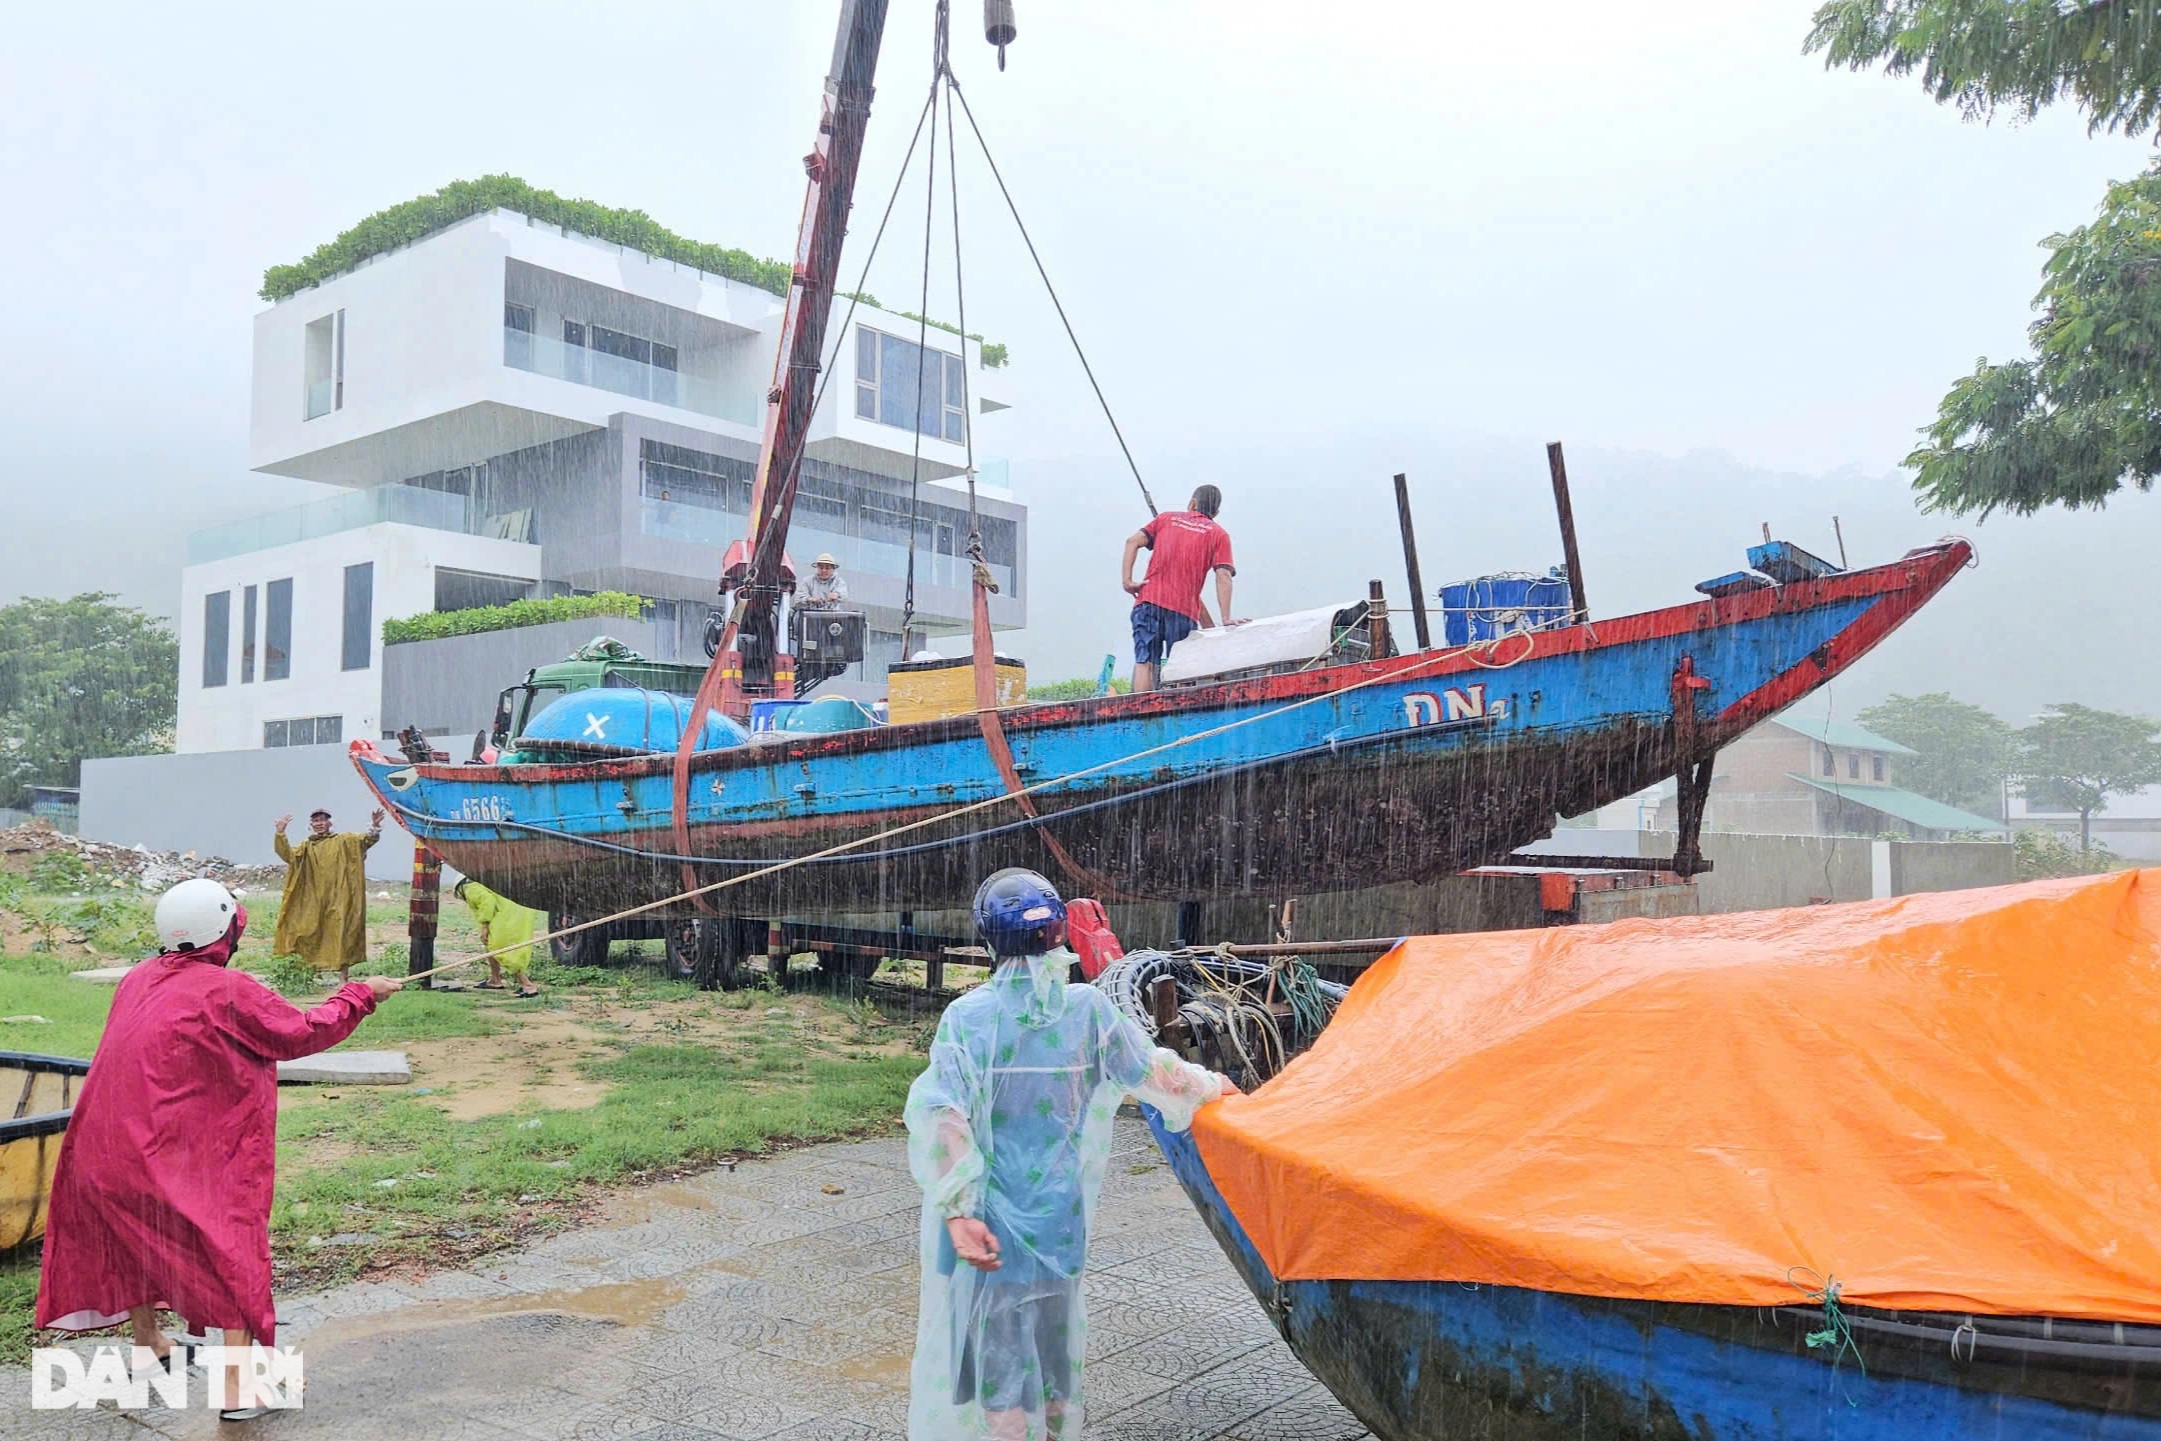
318 399
376 505
673 520
582 365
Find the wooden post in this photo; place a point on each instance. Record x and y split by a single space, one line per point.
422 915
1559 467
1163 1003
1410 560
1376 621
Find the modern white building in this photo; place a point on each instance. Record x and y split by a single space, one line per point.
516 410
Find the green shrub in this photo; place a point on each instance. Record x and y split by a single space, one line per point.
417 219
2045 855
435 624
57 871
1079 688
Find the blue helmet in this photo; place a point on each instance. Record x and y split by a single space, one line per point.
1012 907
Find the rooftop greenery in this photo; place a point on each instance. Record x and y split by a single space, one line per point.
434 625
413 220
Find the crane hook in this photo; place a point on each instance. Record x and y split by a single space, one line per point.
998 26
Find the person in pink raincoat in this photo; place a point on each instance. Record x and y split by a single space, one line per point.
161 1200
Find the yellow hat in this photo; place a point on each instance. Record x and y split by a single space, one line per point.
825 557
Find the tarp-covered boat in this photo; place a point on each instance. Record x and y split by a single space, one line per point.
37 1096
1887 1169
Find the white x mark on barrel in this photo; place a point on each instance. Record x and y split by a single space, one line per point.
596 726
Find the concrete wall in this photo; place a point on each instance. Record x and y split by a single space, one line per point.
1762 872
448 687
226 803
1950 865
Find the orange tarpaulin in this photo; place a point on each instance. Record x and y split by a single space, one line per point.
1946 1102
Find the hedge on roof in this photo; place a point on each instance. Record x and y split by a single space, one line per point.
401 225
435 624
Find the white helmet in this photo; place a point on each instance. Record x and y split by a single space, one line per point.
194 913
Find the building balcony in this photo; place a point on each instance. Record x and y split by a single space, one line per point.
858 555
377 505
621 375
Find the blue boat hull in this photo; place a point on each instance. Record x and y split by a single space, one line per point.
1410 768
1422 1361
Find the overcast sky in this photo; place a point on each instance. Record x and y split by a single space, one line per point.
1425 233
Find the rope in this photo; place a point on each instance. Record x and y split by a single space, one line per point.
922 325
1424 661
960 300
969 112
1836 1332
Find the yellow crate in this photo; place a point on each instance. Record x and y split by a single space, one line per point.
920 690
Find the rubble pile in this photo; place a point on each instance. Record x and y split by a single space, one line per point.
115 866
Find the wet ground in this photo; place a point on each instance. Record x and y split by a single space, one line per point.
773 1301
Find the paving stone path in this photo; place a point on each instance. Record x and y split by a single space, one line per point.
773 1301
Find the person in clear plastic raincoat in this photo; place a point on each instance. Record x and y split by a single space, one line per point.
1009 1132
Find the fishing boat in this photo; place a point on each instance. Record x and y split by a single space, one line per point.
1357 760
1624 1215
1408 766
39 1092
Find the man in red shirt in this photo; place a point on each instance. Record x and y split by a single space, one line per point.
1184 545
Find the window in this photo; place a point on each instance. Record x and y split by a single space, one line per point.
247 635
320 730
518 336
1853 765
886 384
1877 768
1830 762
359 615
278 630
574 367
217 635
663 376
323 357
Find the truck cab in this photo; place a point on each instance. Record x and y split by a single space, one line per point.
518 704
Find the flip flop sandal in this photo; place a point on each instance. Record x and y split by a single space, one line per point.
528 995
245 1413
490 986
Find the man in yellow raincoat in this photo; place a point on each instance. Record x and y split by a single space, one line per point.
324 917
502 923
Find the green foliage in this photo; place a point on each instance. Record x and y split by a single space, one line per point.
1964 751
414 220
1078 688
291 977
2073 424
434 624
2080 757
2046 855
55 872
79 678
2015 55
2077 421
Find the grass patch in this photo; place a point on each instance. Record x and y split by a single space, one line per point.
717 1077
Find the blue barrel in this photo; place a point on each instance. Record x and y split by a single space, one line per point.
622 720
770 715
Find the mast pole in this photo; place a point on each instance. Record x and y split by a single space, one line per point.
748 662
